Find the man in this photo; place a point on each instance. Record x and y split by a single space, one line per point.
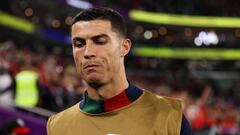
111 104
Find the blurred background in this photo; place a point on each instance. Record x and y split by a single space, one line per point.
188 49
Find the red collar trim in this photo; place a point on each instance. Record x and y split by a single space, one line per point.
116 102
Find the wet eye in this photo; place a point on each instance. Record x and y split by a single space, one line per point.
79 43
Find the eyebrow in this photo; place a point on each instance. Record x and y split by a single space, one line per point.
92 38
99 36
77 39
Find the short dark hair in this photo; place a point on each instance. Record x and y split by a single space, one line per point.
118 23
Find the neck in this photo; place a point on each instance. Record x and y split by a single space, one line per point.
109 90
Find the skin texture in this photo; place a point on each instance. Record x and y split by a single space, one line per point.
98 53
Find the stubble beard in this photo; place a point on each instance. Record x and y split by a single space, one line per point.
95 84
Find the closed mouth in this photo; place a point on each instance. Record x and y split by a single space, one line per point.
90 65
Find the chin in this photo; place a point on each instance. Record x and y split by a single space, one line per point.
94 79
95 83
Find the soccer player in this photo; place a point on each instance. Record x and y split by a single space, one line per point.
112 105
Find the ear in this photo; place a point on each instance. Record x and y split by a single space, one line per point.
125 47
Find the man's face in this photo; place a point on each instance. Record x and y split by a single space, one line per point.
96 51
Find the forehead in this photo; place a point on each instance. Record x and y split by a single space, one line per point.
90 28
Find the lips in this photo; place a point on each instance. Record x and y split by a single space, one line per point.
90 66
86 66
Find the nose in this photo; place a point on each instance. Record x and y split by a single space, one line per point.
90 51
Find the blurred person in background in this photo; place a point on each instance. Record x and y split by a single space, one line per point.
55 84
14 127
11 57
53 75
111 104
8 69
6 81
72 86
29 91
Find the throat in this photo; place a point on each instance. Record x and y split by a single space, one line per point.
104 91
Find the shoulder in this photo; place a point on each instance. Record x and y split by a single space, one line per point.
169 111
166 106
66 113
164 102
63 118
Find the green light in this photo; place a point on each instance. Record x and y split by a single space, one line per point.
16 23
184 20
188 53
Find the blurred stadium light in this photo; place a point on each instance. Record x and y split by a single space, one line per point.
184 20
206 38
79 4
188 53
15 22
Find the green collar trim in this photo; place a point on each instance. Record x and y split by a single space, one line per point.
92 105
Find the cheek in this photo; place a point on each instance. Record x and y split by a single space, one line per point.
113 62
78 62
